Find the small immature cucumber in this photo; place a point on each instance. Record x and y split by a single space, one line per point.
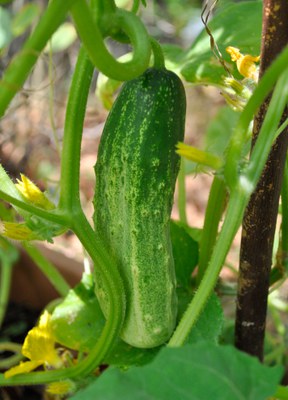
136 171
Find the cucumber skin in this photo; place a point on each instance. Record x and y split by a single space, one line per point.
136 172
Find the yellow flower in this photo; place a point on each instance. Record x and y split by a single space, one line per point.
32 193
198 156
15 231
245 63
39 347
61 388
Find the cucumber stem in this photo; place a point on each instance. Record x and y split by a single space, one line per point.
159 60
213 214
97 51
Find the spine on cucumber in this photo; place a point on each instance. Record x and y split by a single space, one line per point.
136 171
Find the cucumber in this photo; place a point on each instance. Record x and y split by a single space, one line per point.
136 171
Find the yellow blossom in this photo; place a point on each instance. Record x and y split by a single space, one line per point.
15 231
61 388
198 156
32 193
39 347
245 63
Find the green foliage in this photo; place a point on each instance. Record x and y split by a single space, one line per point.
201 371
219 130
236 24
209 325
77 321
217 136
185 253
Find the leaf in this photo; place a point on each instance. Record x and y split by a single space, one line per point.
5 28
237 25
124 355
220 130
185 253
193 372
209 325
78 321
24 18
217 135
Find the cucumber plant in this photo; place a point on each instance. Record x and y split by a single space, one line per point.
130 303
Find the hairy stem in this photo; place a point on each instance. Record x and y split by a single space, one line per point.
214 210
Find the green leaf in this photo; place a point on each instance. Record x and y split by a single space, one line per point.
124 355
193 372
185 253
62 38
220 129
210 323
24 18
237 25
78 321
217 135
281 393
5 28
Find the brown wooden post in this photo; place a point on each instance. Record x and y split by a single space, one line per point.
261 213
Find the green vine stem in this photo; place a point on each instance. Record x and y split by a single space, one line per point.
135 6
5 280
48 269
98 53
101 7
214 211
239 198
75 113
15 358
159 59
23 208
20 67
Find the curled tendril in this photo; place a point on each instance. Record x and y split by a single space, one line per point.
92 37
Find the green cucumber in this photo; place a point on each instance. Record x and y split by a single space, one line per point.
136 171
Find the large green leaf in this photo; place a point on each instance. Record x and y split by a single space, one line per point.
237 24
209 325
193 372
